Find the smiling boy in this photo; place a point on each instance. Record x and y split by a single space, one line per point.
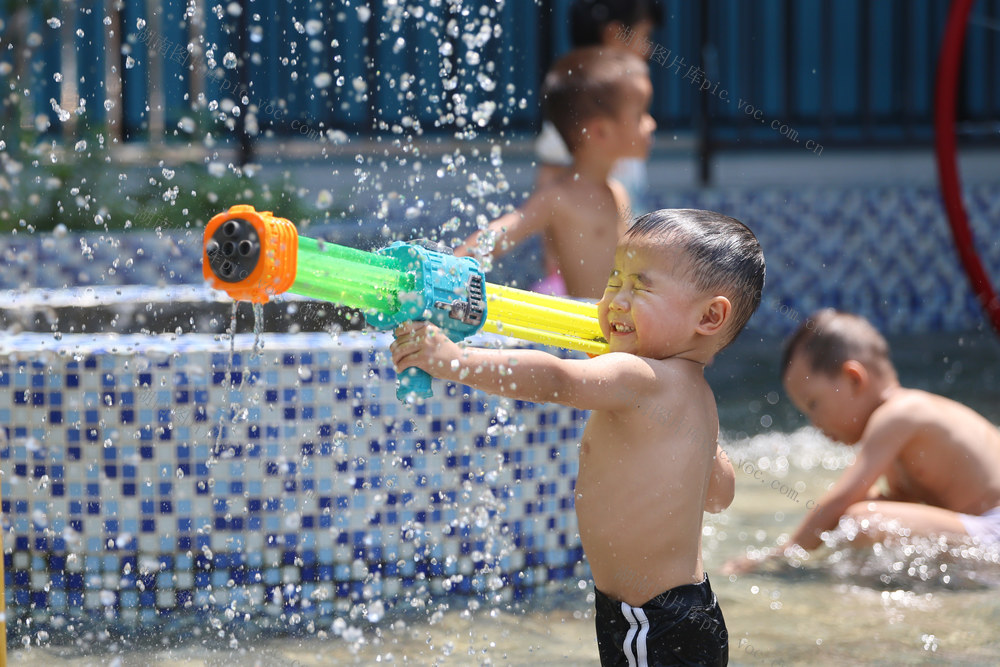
683 285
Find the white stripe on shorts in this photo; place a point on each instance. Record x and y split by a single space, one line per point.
638 628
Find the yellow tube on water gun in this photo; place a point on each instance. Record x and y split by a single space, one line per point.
548 320
253 255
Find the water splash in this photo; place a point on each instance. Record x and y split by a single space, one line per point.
911 562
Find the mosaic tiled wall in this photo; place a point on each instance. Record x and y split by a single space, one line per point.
322 493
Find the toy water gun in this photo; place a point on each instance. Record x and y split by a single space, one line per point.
253 255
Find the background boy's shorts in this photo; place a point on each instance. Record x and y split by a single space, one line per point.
985 527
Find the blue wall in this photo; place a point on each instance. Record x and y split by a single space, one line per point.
850 72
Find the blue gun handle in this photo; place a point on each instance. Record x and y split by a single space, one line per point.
414 381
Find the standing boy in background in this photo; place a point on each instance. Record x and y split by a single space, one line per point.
626 24
599 101
939 460
682 286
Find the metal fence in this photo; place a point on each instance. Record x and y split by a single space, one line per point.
814 73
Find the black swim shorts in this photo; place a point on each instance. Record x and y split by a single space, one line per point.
682 626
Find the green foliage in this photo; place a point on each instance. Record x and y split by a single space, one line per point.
86 191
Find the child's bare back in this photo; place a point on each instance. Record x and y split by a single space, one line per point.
580 220
640 490
939 441
581 227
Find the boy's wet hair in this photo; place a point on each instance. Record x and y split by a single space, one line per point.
723 256
830 337
588 18
588 83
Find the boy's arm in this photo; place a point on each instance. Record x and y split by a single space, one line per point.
880 444
510 229
722 483
607 382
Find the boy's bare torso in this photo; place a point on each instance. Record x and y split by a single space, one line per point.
586 221
951 461
641 488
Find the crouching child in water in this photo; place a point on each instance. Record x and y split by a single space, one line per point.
938 461
683 285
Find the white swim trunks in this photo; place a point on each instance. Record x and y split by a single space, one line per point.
985 528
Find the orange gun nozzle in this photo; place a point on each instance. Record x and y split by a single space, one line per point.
249 254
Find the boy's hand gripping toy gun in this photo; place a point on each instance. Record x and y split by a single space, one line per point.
252 256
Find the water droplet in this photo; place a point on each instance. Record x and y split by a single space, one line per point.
54 22
376 610
485 82
323 80
324 199
229 60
